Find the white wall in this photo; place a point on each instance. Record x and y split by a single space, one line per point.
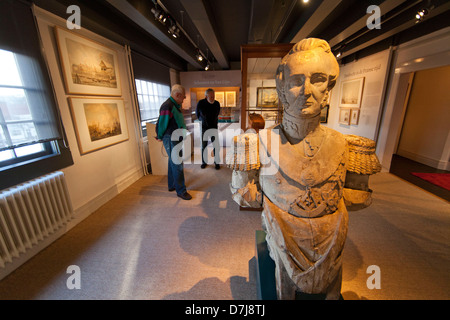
426 52
374 69
98 176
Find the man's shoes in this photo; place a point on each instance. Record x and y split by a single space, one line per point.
203 166
217 166
171 189
185 196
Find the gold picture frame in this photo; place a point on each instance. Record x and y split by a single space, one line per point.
230 98
267 97
98 122
88 67
220 97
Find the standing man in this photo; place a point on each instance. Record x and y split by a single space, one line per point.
170 119
207 112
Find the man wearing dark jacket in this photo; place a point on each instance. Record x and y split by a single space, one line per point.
207 112
170 119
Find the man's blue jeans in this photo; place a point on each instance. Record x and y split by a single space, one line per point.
175 173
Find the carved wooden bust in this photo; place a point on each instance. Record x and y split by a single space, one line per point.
300 176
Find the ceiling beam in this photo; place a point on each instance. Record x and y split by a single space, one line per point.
199 16
397 29
140 19
325 9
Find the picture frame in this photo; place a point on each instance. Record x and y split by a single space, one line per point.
88 67
267 97
351 93
344 116
230 98
98 122
324 114
354 116
220 97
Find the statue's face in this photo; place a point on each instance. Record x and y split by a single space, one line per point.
306 82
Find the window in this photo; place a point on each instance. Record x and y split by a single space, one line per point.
150 97
31 131
18 133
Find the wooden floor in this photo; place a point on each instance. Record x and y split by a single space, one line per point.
402 168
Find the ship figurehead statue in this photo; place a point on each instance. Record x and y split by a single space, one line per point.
296 171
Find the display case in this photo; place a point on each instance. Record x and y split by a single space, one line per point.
259 65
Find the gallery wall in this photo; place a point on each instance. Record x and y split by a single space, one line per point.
370 73
99 175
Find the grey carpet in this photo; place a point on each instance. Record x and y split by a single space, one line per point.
148 244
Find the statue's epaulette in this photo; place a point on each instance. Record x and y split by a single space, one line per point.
244 154
361 156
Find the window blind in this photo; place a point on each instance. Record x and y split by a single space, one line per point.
28 111
147 69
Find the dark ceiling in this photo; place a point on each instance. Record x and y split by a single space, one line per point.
218 28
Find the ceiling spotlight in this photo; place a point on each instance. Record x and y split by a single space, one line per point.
421 14
207 67
199 55
156 12
305 1
160 15
174 31
338 55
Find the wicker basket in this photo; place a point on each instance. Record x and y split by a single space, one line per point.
244 155
362 158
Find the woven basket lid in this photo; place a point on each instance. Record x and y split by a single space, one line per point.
362 158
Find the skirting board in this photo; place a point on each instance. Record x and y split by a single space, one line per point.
434 163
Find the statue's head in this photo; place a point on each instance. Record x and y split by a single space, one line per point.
305 76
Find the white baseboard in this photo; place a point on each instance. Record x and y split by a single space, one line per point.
435 163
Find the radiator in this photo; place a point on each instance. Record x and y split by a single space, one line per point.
30 212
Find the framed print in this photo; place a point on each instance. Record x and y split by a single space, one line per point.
220 97
230 98
267 97
344 116
324 114
354 116
89 68
351 93
98 122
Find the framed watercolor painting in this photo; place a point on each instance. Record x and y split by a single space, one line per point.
351 93
354 116
344 116
89 68
98 122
